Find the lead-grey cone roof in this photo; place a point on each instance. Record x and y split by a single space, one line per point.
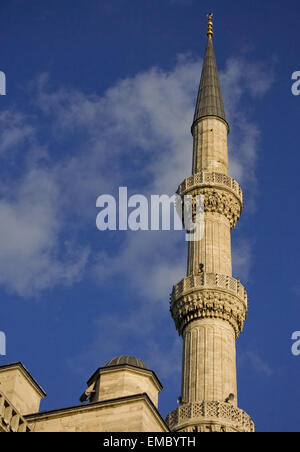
210 100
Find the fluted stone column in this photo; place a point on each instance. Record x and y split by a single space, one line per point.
209 368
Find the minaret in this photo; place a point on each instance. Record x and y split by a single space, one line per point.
209 306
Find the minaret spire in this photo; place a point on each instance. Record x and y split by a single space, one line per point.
210 100
209 306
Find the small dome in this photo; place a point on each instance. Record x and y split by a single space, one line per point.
126 360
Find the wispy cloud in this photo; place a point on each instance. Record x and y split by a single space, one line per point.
30 250
135 134
14 131
242 82
253 361
242 257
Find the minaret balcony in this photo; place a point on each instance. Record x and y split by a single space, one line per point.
206 179
221 193
209 295
209 417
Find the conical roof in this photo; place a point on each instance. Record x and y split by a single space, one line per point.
210 100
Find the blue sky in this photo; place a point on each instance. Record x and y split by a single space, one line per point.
100 94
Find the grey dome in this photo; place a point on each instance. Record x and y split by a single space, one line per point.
126 360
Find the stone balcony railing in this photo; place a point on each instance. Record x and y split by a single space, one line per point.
210 281
10 419
209 295
210 179
203 414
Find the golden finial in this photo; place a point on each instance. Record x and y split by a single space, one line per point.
210 32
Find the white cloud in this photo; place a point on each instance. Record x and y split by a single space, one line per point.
152 263
136 134
242 80
242 257
14 131
30 226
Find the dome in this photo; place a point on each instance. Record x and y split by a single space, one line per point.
126 360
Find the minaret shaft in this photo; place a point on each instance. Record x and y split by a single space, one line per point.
214 250
210 154
209 368
210 151
209 306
